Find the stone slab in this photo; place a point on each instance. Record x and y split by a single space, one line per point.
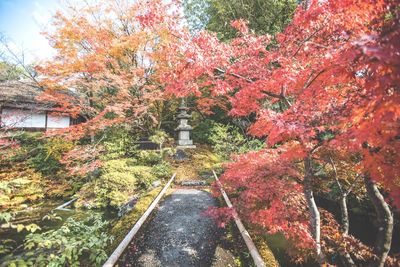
186 147
193 183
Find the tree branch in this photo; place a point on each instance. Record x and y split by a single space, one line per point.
352 186
271 94
311 80
335 175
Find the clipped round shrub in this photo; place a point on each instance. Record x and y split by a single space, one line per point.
119 165
162 170
149 158
144 176
119 182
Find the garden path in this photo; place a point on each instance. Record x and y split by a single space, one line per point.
179 234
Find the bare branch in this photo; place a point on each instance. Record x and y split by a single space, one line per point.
19 60
280 96
353 184
310 80
283 96
335 175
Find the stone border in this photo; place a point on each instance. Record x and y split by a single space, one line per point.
113 259
258 261
62 207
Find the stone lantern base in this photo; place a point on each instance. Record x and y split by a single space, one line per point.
186 147
184 140
184 128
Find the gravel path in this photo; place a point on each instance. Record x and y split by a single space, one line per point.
178 235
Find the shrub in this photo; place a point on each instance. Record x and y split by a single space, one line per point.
28 138
20 186
120 180
162 170
7 246
159 137
119 165
123 173
149 158
117 198
144 176
119 142
28 143
71 245
55 147
227 140
201 131
48 154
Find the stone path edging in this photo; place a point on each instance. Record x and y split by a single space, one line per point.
112 260
258 261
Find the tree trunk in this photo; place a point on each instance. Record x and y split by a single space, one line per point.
385 222
345 256
344 213
315 218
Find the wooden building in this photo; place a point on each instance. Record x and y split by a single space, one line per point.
20 109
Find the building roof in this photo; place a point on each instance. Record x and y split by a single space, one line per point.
22 94
16 91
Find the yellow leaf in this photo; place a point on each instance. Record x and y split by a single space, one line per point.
20 227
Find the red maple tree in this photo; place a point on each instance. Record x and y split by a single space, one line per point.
329 80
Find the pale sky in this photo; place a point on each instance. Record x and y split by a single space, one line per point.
22 21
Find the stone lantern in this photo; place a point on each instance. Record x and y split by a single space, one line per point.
184 128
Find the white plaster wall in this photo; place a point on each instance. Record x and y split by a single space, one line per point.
22 118
57 121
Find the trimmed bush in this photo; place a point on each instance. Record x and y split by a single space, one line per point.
120 181
149 158
144 176
162 170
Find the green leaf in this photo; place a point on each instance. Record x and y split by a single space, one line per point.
5 217
29 245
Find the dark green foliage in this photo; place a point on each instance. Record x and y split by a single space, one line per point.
47 158
41 154
228 139
119 141
325 135
201 132
28 138
71 245
45 165
265 16
148 158
202 124
162 170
